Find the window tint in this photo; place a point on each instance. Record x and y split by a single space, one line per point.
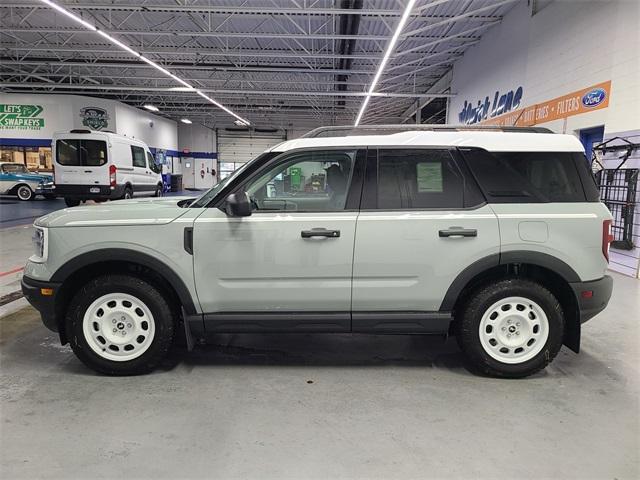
155 168
418 179
511 177
88 153
137 154
308 181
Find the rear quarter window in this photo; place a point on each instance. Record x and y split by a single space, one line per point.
522 177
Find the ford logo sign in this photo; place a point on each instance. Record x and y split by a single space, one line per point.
594 97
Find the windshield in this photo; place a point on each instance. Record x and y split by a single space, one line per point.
204 199
14 168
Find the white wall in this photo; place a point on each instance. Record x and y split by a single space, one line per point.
62 112
567 46
155 131
196 138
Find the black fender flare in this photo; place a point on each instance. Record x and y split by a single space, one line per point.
136 257
516 256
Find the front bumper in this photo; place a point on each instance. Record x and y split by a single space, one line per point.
42 295
593 296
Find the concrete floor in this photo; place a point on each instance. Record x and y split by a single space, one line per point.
323 406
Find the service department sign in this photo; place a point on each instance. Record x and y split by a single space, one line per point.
21 117
95 118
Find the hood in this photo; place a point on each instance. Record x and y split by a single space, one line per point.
145 211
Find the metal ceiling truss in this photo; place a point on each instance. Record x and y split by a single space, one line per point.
276 62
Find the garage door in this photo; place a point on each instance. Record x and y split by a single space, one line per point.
234 149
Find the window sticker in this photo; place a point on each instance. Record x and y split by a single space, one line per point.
429 175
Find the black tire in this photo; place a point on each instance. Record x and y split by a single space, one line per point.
71 202
159 191
469 318
25 193
163 320
128 193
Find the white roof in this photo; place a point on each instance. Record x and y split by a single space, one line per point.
491 141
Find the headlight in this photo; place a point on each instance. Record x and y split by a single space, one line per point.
40 244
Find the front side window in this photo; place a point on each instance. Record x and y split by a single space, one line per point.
418 179
138 157
155 168
313 181
86 153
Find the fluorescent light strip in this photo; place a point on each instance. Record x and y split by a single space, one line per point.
219 105
128 49
385 58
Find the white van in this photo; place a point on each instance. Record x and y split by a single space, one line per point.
91 165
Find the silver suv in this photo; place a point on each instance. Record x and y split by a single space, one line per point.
496 237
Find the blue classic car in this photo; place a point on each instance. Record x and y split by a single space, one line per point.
15 179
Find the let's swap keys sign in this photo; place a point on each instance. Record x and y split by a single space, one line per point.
21 117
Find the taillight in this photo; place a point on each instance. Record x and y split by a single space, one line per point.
112 175
607 238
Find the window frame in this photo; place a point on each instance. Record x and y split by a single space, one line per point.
370 188
354 189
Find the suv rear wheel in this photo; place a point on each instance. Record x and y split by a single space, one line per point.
120 325
512 328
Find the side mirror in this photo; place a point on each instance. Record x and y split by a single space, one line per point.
238 205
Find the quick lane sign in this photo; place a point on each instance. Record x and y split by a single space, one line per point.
586 100
21 117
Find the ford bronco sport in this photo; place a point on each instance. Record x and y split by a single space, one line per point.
496 236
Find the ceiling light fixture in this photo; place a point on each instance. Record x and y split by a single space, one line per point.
385 59
181 89
186 120
185 85
151 108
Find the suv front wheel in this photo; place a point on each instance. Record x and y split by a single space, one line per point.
512 328
120 325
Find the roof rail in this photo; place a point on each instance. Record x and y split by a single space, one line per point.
348 130
80 130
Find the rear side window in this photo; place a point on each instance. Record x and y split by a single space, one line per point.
86 153
418 179
138 157
521 177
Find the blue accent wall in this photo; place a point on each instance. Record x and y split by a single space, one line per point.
46 142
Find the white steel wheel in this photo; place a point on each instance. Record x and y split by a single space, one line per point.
514 330
118 327
24 192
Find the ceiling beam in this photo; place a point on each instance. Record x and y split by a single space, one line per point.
319 93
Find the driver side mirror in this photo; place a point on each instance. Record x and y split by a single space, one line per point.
238 205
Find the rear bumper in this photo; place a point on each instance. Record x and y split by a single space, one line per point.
84 192
593 296
45 304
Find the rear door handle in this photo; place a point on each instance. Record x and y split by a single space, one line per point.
458 232
320 232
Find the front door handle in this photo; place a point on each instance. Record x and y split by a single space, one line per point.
458 232
320 232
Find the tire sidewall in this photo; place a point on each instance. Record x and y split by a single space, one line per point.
24 188
485 298
128 194
138 288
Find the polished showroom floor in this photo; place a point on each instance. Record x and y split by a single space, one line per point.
323 406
